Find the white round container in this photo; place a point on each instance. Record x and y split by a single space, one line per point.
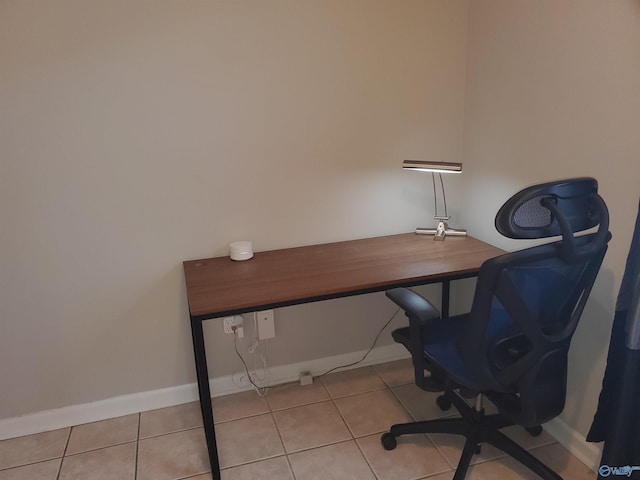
241 250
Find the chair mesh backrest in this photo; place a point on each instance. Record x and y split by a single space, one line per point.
528 303
531 214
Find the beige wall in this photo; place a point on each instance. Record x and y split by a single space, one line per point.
134 135
552 92
137 134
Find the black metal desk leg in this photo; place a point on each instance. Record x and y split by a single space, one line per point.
205 396
446 291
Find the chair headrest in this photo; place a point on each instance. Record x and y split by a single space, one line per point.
562 207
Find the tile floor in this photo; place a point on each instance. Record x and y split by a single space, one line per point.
329 430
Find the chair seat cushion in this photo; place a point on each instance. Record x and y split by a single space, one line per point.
440 350
442 347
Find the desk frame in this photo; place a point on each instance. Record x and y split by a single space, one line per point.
348 268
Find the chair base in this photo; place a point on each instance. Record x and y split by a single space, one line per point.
477 428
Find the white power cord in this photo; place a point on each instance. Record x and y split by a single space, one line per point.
256 343
368 351
262 391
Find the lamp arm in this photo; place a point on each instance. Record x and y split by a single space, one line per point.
444 196
435 197
435 194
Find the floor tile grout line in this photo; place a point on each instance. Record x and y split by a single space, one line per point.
437 449
302 450
245 463
172 432
429 439
135 465
38 462
501 456
366 459
285 456
288 460
370 367
286 453
328 444
354 438
4 469
402 404
118 444
275 424
64 454
415 419
192 476
388 384
335 405
339 397
301 404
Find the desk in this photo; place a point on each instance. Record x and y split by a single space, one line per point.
219 287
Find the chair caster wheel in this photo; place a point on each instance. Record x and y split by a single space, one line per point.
534 431
443 402
389 442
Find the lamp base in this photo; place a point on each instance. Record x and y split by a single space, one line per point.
454 232
441 231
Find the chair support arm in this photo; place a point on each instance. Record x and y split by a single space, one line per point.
420 313
417 308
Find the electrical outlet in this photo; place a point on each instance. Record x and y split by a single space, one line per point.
235 321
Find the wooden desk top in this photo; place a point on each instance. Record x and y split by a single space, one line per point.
220 286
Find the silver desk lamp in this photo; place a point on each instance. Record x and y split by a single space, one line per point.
442 229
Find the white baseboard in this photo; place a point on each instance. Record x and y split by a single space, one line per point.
167 397
95 411
587 452
290 373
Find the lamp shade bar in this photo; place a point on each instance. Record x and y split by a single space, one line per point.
433 167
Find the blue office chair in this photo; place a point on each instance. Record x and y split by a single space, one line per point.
511 348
